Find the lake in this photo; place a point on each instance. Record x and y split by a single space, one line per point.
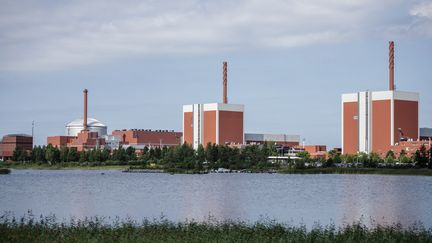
293 199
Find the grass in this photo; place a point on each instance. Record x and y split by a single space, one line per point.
381 171
46 229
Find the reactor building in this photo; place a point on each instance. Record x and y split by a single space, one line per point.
216 123
373 121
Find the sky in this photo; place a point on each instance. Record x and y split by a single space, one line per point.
288 61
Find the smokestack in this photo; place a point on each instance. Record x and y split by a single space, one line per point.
391 65
85 110
225 81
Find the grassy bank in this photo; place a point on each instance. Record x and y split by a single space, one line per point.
381 171
95 230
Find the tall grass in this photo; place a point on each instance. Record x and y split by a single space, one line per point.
47 229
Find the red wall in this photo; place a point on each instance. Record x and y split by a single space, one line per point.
406 118
209 127
230 127
381 123
188 128
350 127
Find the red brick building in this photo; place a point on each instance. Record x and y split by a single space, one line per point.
375 121
84 141
12 141
149 138
217 123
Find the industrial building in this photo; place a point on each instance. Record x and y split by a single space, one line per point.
216 123
373 121
278 139
82 136
425 133
93 125
148 137
13 141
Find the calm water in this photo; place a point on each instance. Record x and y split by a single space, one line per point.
294 199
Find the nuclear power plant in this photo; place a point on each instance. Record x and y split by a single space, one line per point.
374 121
215 123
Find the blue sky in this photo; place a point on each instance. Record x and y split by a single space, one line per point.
288 61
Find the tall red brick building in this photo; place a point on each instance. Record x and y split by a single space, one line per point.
375 121
216 123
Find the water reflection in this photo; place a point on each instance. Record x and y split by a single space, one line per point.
248 197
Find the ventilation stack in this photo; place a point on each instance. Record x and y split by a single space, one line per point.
225 81
85 110
391 66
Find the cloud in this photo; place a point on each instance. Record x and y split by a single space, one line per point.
49 35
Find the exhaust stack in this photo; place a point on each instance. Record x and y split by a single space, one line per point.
391 66
225 81
85 110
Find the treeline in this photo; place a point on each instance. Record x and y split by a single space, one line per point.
422 158
182 157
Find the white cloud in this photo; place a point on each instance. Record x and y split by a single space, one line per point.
422 10
50 35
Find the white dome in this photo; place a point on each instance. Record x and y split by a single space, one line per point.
93 125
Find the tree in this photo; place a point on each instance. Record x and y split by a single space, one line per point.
421 157
105 155
83 156
390 157
304 155
73 155
403 158
130 153
200 153
52 154
374 160
64 154
430 158
362 157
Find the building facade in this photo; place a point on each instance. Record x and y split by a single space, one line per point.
217 123
375 121
85 140
13 141
278 139
149 138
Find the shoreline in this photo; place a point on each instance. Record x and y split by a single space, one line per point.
328 170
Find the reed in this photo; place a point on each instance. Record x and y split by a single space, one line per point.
47 229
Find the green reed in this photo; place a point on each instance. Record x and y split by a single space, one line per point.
48 229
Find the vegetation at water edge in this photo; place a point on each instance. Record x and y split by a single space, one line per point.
46 229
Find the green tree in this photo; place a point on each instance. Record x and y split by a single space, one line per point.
390 157
130 153
200 153
421 157
83 156
73 155
105 155
430 158
64 154
52 154
403 158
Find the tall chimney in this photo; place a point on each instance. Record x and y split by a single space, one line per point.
225 81
391 65
85 110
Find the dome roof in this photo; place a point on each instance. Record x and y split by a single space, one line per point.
91 122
